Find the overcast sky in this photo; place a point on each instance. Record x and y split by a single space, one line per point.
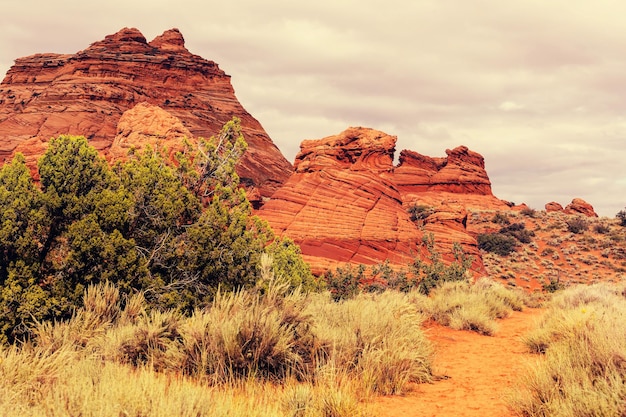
537 87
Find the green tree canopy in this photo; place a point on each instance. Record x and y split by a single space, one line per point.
176 231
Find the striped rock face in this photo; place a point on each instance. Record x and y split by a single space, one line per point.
348 203
87 93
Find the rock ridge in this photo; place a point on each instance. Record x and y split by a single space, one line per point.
348 203
86 93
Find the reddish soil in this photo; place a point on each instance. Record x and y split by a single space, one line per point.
473 372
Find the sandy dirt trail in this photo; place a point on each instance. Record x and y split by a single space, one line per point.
477 371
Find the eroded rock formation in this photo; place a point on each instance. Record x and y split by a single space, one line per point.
553 206
460 177
577 206
347 202
580 206
87 93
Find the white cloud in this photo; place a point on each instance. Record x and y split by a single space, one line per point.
510 106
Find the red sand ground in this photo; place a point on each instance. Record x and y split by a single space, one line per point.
477 371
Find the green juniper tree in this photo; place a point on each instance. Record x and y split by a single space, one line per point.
176 232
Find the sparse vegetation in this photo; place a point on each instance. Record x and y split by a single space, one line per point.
529 212
577 225
432 274
423 274
497 243
501 218
176 233
462 306
518 231
621 216
601 228
583 340
419 212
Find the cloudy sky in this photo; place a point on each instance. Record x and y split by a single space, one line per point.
537 87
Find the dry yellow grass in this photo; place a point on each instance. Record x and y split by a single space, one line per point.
263 352
463 306
583 370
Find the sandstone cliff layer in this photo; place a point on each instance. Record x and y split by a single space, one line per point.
347 202
87 93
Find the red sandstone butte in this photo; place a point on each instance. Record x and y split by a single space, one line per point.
460 177
580 206
553 206
87 93
345 204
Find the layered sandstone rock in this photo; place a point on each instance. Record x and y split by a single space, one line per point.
580 206
345 202
337 206
461 176
87 93
577 206
148 125
553 206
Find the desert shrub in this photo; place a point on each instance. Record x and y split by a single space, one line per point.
500 218
464 306
576 225
435 272
583 339
601 228
103 306
496 243
529 212
344 282
621 216
377 338
553 285
518 231
65 383
419 212
287 262
400 281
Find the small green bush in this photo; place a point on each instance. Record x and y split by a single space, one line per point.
621 216
431 275
344 283
601 228
576 225
529 212
497 243
519 232
419 212
500 218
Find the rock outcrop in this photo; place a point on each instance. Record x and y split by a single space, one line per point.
460 177
148 125
347 202
553 206
87 93
577 206
337 206
580 206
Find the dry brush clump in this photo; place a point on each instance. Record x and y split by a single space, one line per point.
465 306
583 370
378 336
292 353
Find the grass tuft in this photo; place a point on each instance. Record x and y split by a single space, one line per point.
583 339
